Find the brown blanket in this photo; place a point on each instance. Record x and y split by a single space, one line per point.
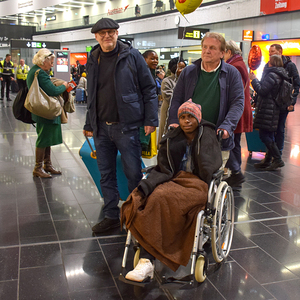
164 223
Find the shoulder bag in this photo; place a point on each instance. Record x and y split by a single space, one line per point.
39 103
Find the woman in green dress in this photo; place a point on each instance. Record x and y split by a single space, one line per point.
48 131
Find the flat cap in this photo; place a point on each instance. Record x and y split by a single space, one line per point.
105 23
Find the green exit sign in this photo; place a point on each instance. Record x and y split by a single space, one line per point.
39 45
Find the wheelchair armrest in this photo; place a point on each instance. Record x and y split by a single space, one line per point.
218 174
147 170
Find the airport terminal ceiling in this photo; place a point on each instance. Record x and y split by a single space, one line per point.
30 12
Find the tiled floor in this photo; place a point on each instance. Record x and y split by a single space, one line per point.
47 250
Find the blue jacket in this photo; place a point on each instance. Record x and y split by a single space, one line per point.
134 88
231 97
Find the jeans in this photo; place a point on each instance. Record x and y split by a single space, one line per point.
235 160
279 136
267 137
108 141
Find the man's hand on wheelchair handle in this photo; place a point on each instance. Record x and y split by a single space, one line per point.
225 133
87 133
174 125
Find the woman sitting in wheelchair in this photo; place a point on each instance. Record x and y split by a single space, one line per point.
161 212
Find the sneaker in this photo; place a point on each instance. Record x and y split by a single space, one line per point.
143 270
8 99
106 224
235 180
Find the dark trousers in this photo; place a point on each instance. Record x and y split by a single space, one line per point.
267 137
235 158
6 80
279 136
21 83
109 140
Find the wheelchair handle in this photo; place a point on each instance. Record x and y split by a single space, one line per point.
220 134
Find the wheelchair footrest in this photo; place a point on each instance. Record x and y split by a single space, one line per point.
140 284
185 282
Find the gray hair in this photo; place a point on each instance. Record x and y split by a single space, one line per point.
41 56
233 47
217 36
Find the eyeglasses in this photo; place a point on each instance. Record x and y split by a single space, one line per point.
47 56
110 32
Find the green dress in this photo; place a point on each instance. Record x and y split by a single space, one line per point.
48 131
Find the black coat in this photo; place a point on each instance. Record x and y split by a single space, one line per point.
293 74
267 112
206 155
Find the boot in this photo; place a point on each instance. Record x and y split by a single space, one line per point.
38 171
277 161
266 162
47 163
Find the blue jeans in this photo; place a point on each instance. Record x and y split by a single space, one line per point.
108 141
235 160
267 137
279 136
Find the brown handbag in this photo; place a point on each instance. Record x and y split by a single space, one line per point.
40 104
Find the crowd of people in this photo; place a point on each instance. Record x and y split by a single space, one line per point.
125 89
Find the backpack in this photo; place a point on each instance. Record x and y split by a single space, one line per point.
19 111
285 95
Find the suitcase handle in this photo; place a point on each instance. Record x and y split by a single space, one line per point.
93 153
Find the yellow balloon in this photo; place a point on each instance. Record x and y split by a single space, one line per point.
187 6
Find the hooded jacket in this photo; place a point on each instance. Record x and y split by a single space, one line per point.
293 75
267 111
231 97
134 88
206 155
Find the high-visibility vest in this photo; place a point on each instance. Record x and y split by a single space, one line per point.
22 74
7 70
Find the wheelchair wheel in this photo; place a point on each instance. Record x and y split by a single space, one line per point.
223 222
136 257
200 269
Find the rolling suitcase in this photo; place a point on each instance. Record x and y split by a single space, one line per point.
88 155
254 143
80 95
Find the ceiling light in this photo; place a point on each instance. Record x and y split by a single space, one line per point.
70 5
83 3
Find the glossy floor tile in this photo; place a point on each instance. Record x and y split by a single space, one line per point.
48 251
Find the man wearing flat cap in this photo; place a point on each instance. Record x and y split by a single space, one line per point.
121 98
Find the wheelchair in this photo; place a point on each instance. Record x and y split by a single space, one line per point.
214 228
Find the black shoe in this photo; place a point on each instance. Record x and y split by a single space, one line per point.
278 163
235 180
1 98
263 164
106 224
8 99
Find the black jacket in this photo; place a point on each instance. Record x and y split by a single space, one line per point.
134 88
293 74
267 112
206 154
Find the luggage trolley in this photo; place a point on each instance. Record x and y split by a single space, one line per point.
214 225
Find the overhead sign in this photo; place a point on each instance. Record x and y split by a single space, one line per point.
34 44
276 6
9 32
52 18
168 55
191 33
248 35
